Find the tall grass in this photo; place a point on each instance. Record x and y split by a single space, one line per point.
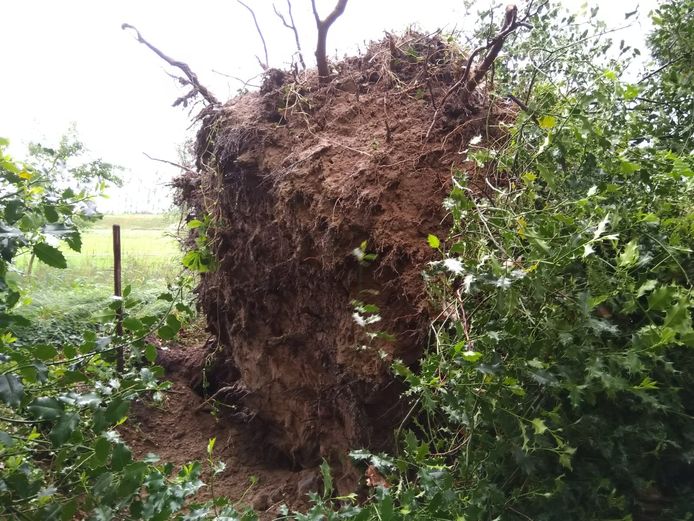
65 302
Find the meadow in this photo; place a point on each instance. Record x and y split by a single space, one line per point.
64 301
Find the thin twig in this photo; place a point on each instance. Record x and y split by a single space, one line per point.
264 64
192 78
292 25
524 108
660 69
167 162
245 83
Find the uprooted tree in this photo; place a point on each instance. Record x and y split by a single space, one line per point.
560 303
291 180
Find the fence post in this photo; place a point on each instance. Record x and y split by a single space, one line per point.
118 293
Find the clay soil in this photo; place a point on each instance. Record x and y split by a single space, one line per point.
178 429
293 178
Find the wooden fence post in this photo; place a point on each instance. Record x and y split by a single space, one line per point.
118 293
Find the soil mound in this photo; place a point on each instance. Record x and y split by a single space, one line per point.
294 178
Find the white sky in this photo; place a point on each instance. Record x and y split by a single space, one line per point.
69 61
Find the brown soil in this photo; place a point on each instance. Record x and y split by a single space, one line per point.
295 177
178 431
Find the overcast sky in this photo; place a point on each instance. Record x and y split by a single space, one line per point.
69 61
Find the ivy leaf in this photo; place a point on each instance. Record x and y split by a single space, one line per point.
50 255
11 390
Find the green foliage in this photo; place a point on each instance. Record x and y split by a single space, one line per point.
61 402
200 259
559 384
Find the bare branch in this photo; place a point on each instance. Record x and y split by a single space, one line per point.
245 83
524 108
292 25
191 80
264 64
323 26
167 162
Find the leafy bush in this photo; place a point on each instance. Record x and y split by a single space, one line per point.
559 380
61 401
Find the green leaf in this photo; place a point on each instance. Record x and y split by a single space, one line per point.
631 92
173 323
661 298
45 352
50 255
471 356
433 241
194 223
121 457
539 426
646 287
547 122
150 353
51 213
46 408
166 333
11 390
6 440
327 480
627 167
102 448
74 241
64 428
132 324
630 255
679 318
210 445
116 410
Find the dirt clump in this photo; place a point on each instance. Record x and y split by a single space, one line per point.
294 178
178 429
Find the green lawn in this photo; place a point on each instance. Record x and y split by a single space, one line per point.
62 302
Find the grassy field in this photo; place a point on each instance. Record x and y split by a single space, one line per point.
62 302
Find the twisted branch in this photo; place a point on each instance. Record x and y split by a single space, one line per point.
190 79
264 64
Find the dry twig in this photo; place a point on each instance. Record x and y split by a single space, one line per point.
263 64
190 79
292 25
323 26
